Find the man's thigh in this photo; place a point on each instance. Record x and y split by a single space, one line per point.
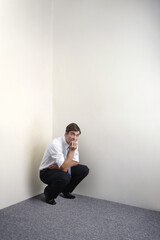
51 175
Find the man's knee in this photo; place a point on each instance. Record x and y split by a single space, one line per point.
84 170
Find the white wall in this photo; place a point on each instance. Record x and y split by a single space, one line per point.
25 95
107 79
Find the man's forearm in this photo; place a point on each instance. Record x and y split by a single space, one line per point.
68 161
64 167
55 166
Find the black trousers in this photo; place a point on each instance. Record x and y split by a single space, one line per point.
59 181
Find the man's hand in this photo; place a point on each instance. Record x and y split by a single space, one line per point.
73 145
53 166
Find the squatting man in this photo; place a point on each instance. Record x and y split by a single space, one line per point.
60 168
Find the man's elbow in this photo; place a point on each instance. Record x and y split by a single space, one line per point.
63 168
74 163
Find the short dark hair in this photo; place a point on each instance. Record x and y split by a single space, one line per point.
73 127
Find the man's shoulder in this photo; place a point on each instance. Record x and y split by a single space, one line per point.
57 141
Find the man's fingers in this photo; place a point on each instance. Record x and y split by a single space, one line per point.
73 144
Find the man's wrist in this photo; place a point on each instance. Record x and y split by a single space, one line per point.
72 150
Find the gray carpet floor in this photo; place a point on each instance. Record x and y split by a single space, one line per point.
83 218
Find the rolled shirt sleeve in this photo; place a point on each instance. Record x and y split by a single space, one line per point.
57 155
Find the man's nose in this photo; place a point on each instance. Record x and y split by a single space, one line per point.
74 138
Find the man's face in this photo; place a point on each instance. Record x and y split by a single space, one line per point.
71 136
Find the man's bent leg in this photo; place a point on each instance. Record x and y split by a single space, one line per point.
78 173
56 180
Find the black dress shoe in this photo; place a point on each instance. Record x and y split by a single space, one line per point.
51 201
68 195
48 200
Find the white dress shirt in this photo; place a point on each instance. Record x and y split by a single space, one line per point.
56 153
